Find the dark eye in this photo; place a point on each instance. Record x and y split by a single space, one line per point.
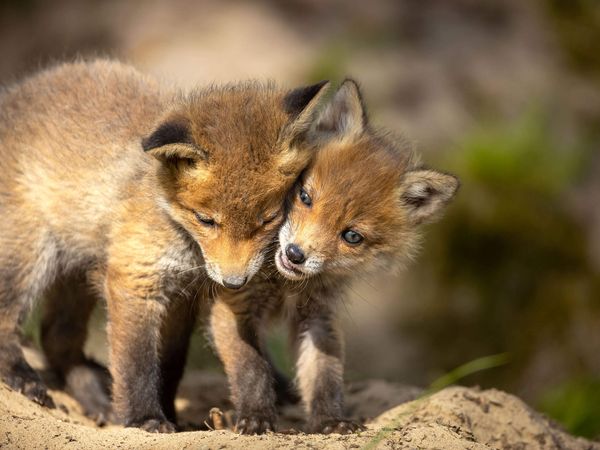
304 197
206 221
352 237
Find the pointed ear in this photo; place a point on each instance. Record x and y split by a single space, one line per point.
301 104
425 193
345 114
172 141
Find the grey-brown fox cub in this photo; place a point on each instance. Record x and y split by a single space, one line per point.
114 186
357 208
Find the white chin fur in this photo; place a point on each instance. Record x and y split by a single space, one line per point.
255 265
311 267
213 273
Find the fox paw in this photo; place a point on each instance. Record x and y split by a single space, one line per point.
89 384
157 426
26 381
339 427
254 425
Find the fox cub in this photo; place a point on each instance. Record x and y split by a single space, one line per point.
114 186
357 208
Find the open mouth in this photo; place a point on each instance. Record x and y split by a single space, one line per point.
286 266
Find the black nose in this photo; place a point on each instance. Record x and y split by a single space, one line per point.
234 282
295 254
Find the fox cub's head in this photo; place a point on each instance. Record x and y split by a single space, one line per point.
229 156
361 201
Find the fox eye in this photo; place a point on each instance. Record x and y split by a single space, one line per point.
352 237
206 221
304 197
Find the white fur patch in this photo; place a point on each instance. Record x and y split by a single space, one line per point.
314 260
312 364
254 265
252 268
43 270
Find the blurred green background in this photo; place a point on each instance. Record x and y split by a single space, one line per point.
505 94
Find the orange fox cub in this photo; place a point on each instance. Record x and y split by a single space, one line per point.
357 208
114 186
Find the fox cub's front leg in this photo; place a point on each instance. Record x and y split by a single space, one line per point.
235 333
136 312
14 370
320 370
67 309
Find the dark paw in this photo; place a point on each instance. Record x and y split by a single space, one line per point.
100 419
157 426
254 425
89 384
26 381
339 427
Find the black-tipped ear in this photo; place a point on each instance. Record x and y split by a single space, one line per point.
170 132
425 193
301 105
345 115
295 101
172 143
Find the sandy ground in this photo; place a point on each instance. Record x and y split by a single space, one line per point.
454 418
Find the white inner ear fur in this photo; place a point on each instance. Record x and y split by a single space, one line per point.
425 193
343 116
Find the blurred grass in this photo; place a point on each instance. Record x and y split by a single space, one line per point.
31 326
330 63
576 404
509 265
278 345
477 365
523 157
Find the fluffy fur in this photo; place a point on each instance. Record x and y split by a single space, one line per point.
361 182
144 196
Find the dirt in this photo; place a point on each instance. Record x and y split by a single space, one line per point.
395 416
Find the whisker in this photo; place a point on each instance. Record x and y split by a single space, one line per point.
190 269
362 298
343 301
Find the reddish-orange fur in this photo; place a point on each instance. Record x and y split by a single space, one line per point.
359 181
104 175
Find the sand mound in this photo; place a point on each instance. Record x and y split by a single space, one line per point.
454 418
